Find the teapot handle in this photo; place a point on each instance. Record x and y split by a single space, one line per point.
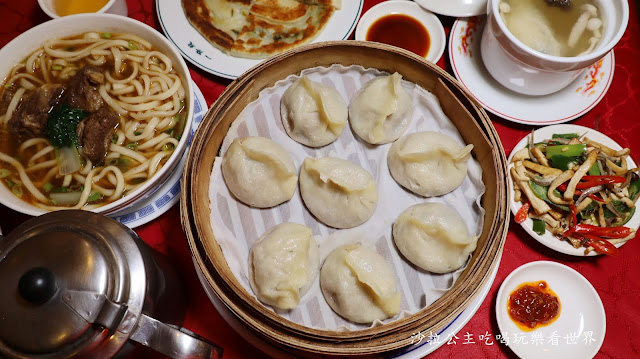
177 343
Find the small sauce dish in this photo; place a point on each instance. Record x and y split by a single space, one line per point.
59 8
580 327
403 24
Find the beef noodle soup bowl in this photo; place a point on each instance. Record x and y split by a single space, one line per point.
95 114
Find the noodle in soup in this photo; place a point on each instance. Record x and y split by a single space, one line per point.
133 87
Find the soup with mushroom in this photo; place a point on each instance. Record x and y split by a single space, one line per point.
554 27
87 119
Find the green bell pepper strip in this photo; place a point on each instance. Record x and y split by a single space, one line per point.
566 150
563 162
539 226
567 136
541 192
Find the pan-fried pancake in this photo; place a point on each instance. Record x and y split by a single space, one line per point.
259 28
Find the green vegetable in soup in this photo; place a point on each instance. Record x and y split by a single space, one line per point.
61 130
62 124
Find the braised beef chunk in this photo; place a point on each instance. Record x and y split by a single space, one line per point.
30 120
83 89
95 133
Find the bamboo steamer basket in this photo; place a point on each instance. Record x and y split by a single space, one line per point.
457 103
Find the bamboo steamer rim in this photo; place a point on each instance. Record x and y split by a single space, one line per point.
274 328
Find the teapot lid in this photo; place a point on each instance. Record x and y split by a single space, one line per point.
71 280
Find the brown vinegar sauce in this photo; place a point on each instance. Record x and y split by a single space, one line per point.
402 31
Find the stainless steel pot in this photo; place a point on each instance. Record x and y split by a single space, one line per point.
78 284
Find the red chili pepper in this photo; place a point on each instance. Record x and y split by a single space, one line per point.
563 188
574 214
585 185
592 181
605 232
619 179
523 212
600 245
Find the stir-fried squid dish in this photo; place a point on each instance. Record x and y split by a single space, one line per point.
87 119
578 189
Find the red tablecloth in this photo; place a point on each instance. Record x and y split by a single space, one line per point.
615 278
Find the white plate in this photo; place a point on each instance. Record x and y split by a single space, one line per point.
545 133
579 330
429 20
196 49
455 8
168 193
419 349
571 102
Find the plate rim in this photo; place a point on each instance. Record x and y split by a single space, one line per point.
547 238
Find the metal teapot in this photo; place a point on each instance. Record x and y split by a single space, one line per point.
79 284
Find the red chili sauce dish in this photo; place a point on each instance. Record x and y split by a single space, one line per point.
533 305
402 31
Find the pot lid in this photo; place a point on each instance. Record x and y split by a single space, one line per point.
67 285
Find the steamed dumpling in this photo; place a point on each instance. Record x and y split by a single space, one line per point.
434 237
313 113
259 172
428 163
359 284
380 112
337 192
282 265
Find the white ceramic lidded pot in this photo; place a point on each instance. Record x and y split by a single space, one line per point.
79 284
524 70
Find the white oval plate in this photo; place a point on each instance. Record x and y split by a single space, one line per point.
579 330
168 193
545 133
199 51
584 93
455 8
429 20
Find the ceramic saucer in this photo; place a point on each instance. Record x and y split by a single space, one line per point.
168 193
567 104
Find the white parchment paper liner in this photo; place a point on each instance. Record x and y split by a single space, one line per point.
237 226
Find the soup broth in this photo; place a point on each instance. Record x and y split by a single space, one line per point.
572 30
141 92
70 7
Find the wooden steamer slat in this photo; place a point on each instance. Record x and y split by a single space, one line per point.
474 126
